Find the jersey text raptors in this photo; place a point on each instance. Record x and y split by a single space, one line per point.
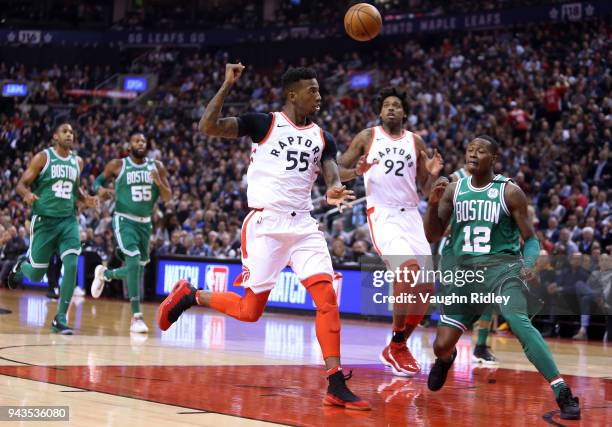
284 166
392 182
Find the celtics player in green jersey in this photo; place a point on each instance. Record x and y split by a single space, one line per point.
488 216
139 182
481 353
50 185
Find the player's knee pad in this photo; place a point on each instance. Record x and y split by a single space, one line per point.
250 310
329 316
249 315
324 297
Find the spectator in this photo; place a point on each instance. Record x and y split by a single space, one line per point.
13 247
594 294
199 247
587 241
564 242
339 254
360 250
338 231
175 247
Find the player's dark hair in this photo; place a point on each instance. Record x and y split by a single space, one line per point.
391 91
494 144
294 75
133 134
57 127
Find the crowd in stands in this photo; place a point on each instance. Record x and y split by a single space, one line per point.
155 15
544 92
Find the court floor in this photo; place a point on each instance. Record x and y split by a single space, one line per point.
210 370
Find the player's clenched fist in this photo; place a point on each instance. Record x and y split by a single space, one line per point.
233 73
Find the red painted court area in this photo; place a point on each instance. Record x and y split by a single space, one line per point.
292 394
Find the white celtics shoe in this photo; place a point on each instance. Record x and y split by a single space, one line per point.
138 324
97 286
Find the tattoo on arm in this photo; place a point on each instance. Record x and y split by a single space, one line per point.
330 172
211 124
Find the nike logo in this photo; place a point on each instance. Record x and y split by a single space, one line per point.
281 126
379 139
462 193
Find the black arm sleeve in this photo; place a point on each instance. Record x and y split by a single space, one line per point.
330 150
254 125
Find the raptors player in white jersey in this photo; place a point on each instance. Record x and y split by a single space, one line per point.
394 163
287 154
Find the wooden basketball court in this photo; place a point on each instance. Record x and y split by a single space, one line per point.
210 370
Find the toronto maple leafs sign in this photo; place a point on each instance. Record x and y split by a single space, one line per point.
394 25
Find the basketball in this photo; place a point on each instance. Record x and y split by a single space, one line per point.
362 22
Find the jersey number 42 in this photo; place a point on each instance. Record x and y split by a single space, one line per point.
62 189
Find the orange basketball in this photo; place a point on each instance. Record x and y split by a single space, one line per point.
362 22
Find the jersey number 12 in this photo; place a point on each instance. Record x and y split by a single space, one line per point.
476 239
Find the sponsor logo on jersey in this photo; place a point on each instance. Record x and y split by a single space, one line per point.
217 277
493 193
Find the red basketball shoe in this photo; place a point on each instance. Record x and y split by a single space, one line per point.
338 394
397 356
182 297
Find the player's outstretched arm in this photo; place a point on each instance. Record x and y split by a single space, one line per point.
428 169
353 163
517 205
439 209
160 176
210 123
23 186
336 194
112 170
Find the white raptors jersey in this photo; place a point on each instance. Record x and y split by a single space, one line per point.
284 166
392 182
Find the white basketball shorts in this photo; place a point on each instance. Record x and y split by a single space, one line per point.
272 240
399 236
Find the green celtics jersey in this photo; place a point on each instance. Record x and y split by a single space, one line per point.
481 223
56 186
135 191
